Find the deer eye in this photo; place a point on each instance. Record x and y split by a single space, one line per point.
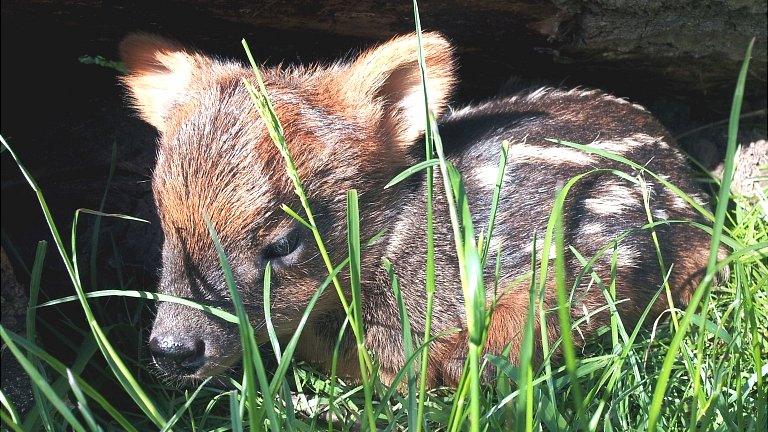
283 247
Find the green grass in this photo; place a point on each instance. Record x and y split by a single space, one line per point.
704 371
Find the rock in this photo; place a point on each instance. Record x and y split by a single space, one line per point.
686 46
14 297
750 178
15 382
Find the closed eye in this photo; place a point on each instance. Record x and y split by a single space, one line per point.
284 249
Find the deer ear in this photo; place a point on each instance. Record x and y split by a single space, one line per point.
159 74
389 77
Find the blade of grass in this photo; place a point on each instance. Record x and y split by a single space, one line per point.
353 243
180 412
470 271
495 199
38 380
234 413
657 246
13 414
405 325
706 283
8 420
332 401
219 313
253 366
617 158
564 313
34 290
720 211
429 283
429 273
296 216
286 392
116 364
62 369
82 403
263 103
41 411
524 412
411 170
97 222
563 310
474 293
268 311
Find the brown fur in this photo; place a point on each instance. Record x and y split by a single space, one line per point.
355 125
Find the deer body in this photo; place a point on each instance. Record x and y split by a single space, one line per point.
358 124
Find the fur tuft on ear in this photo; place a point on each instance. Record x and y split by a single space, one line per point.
160 71
389 76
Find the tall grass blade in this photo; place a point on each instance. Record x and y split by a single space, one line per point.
236 419
706 283
82 403
41 410
524 411
97 222
286 394
10 422
13 414
640 168
268 311
180 412
212 310
495 199
253 367
116 364
429 282
564 313
61 369
38 380
405 325
353 243
263 103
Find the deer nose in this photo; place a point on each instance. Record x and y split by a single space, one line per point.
177 353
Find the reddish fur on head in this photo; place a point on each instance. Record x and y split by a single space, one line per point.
347 125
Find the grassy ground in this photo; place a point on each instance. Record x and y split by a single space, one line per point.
703 368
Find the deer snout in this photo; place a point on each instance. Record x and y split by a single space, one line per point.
177 353
188 343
